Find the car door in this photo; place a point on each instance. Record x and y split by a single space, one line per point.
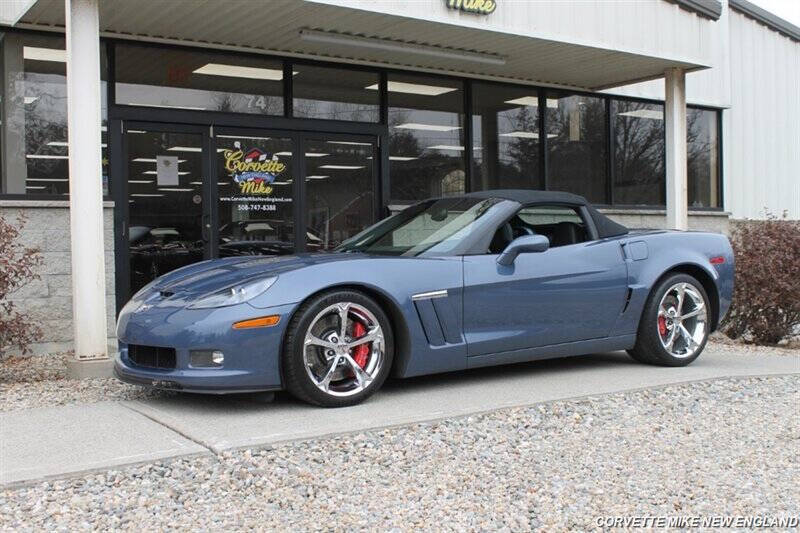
573 291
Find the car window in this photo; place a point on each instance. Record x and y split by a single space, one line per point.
560 224
434 227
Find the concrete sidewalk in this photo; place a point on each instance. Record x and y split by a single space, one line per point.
58 441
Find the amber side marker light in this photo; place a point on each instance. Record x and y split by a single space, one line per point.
717 260
261 322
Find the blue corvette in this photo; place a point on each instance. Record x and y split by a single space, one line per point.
481 279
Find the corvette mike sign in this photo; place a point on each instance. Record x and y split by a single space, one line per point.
478 7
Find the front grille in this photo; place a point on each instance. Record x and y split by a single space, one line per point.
151 356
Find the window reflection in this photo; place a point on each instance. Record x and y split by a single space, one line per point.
339 191
335 94
426 137
36 154
164 203
702 153
639 174
576 145
188 79
505 126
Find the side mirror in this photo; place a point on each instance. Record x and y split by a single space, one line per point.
523 244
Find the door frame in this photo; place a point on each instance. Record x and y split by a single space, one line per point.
119 193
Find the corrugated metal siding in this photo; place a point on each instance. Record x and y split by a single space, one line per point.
762 128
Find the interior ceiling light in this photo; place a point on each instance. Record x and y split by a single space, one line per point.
413 88
533 101
386 45
236 71
176 189
643 113
156 172
450 147
353 143
195 183
242 137
427 127
322 177
167 106
35 187
400 158
46 179
145 195
526 134
152 160
342 167
143 182
188 149
44 156
44 54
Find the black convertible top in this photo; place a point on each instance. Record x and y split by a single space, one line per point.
605 226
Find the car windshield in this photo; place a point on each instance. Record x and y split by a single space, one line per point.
433 226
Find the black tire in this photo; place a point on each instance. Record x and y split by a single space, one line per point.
296 379
648 348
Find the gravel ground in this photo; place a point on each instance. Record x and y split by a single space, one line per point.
40 381
27 382
726 447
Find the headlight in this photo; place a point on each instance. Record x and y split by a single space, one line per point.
234 295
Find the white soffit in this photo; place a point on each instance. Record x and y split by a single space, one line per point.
239 25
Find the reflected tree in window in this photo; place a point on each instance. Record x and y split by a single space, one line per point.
639 173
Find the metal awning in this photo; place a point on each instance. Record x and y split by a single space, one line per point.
336 32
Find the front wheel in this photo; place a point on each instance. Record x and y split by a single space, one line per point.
338 349
674 325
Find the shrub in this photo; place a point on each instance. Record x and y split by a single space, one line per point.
17 267
766 297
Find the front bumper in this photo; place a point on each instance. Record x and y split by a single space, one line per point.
252 356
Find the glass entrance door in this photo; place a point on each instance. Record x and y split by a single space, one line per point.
167 223
255 189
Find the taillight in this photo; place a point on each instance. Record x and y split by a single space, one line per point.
718 260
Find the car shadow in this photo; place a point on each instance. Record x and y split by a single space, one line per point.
485 376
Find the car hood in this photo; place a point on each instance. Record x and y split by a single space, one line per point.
193 281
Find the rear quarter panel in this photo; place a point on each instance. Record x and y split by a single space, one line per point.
651 255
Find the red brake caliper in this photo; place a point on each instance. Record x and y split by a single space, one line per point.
662 325
360 352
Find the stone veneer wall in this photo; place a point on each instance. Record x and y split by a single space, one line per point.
48 300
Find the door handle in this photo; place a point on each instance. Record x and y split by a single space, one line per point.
206 229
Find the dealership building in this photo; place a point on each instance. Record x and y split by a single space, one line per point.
141 136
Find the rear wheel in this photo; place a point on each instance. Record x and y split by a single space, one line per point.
338 349
674 326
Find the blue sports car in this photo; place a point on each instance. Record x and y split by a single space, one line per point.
481 279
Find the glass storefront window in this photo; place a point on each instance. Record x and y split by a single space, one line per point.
335 94
254 185
35 151
576 145
339 191
505 126
178 78
426 137
639 169
702 145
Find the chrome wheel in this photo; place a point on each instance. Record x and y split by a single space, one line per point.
682 319
344 349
